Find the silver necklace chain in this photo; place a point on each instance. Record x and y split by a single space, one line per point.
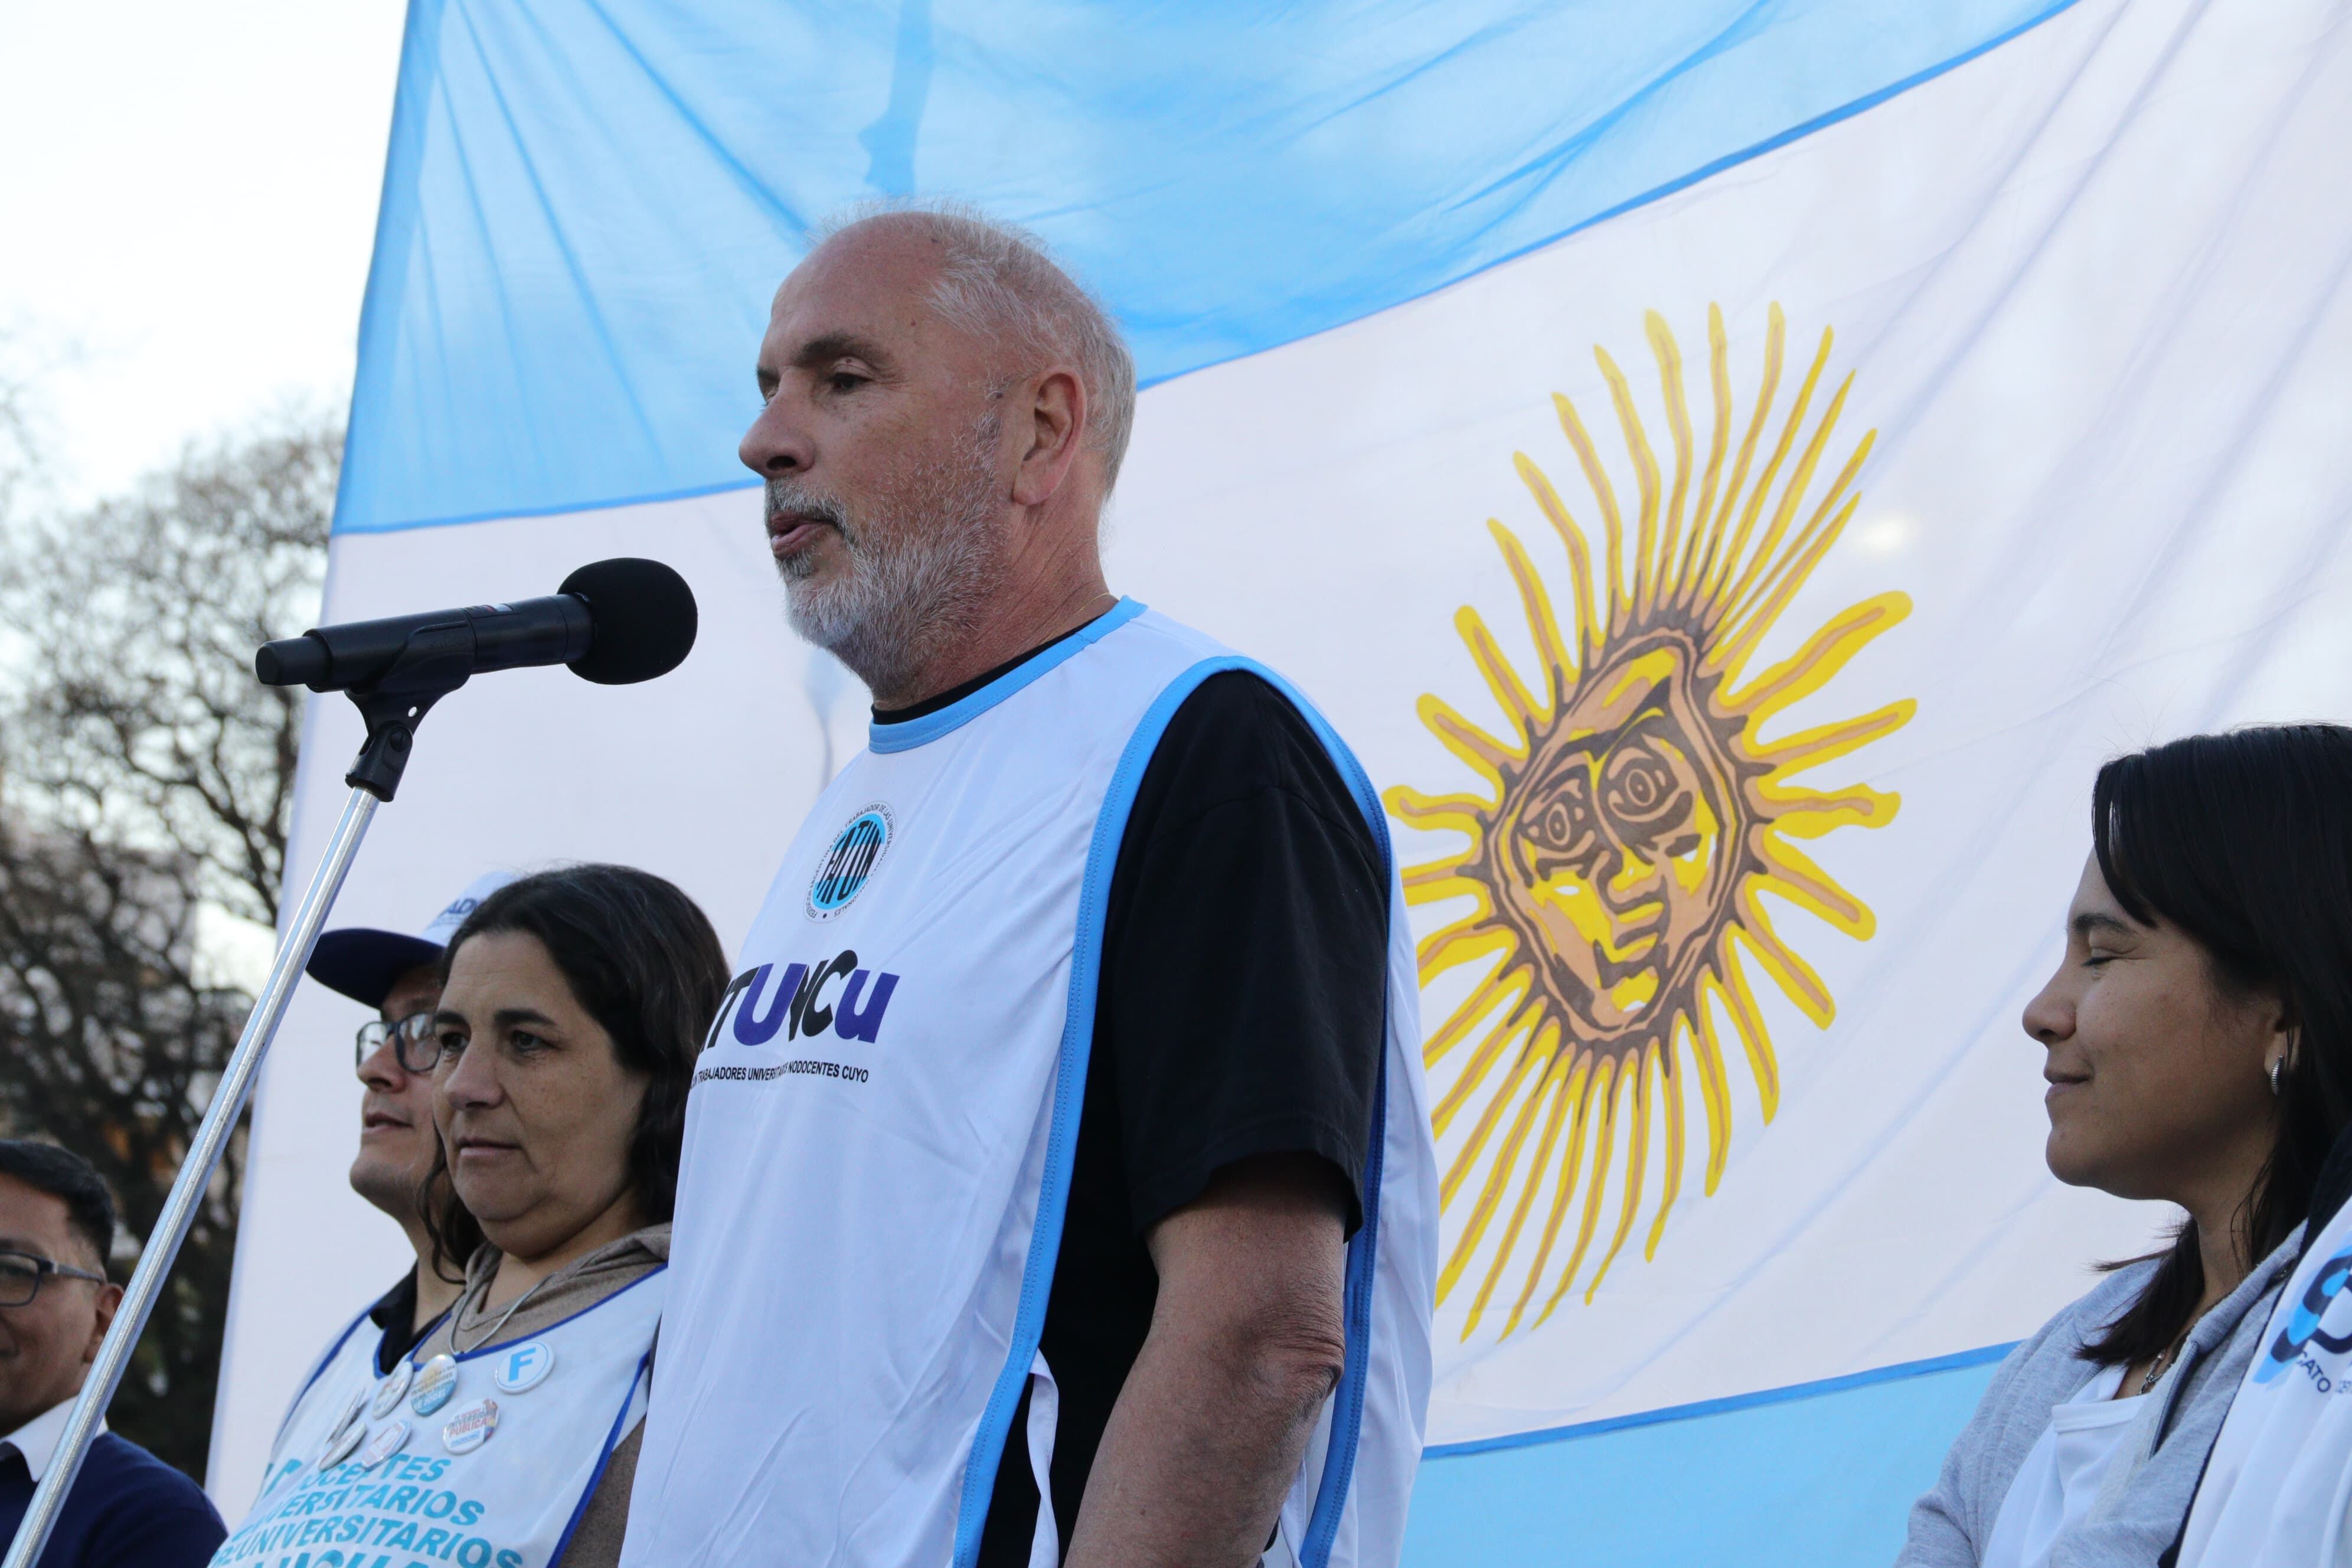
512 1307
2163 1359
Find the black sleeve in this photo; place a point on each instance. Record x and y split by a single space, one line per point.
1244 956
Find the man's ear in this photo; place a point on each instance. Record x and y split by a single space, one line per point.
1057 414
110 1297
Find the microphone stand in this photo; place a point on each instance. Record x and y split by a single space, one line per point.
436 662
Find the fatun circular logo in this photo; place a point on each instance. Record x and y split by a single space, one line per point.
849 862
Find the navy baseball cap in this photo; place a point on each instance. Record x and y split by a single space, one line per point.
362 964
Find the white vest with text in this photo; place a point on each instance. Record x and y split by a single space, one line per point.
344 1376
880 1137
2278 1486
437 1491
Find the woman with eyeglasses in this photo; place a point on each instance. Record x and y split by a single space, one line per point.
572 1008
2197 1041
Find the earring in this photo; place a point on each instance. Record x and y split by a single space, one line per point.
2278 1064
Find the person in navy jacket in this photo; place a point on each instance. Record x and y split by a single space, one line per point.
127 1508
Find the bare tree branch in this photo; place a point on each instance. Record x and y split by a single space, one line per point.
144 776
140 710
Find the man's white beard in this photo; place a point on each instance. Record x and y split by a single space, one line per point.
916 575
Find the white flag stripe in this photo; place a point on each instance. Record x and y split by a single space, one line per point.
2096 316
2090 287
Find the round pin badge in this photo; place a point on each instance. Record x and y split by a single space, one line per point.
435 1384
471 1428
339 1446
524 1367
389 1392
384 1445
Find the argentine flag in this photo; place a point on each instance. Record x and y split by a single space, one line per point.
1731 467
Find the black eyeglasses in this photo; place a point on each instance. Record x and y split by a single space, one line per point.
413 1043
21 1275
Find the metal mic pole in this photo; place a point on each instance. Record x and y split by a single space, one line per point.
196 1174
391 707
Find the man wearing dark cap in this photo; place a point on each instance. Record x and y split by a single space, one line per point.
127 1508
400 976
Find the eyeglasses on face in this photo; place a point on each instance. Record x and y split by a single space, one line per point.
22 1274
413 1043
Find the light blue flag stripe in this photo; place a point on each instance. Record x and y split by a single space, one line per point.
587 202
1817 1477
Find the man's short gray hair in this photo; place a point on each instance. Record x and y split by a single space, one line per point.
1001 282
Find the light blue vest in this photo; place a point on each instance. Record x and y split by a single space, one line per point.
405 1485
880 1137
340 1381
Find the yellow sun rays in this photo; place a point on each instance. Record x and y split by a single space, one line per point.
1631 816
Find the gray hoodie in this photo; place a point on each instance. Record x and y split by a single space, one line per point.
2139 1510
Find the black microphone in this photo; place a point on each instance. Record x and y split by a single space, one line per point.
613 621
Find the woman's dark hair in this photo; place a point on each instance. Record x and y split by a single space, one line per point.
643 961
2243 841
456 1233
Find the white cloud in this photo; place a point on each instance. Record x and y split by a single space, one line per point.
188 202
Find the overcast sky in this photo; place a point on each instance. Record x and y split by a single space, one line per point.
187 199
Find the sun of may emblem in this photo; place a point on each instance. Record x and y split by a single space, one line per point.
1632 814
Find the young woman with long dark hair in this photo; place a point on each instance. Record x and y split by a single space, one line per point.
2197 1041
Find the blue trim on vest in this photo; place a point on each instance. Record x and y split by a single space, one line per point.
1069 1076
1347 1399
612 1438
320 1371
481 1350
1070 1087
885 738
1363 1247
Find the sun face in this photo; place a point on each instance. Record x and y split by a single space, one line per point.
1632 814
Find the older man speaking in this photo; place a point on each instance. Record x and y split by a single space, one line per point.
1057 1184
